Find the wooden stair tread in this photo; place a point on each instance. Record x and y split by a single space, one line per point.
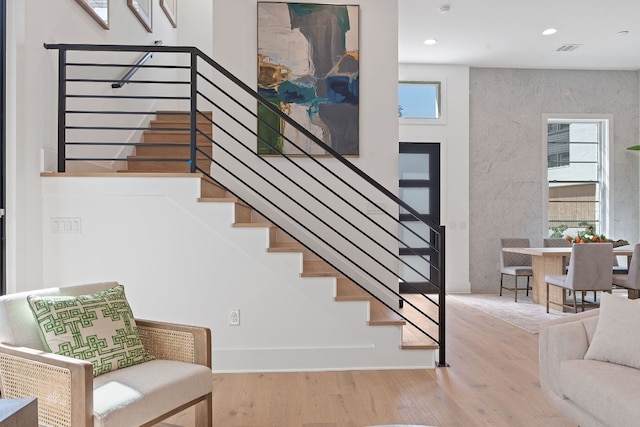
379 314
252 225
285 247
346 290
318 268
413 339
217 199
181 113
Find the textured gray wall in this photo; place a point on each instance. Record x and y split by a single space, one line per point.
507 163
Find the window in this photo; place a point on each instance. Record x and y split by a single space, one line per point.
576 171
419 100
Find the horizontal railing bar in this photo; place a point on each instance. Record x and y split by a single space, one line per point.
169 82
102 65
126 128
132 159
131 144
179 98
148 113
119 47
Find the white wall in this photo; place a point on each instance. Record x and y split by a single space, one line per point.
452 132
32 75
181 261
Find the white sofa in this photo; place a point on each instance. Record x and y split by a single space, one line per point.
590 392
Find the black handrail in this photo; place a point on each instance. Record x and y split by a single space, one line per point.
436 243
134 69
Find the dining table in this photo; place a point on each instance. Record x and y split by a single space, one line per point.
550 261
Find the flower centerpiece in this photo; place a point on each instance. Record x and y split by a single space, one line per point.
588 235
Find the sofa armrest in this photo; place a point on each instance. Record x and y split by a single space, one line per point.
62 385
169 341
562 339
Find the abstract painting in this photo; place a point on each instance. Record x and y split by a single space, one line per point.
308 67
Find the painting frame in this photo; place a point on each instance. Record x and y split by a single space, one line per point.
312 78
170 8
94 11
143 10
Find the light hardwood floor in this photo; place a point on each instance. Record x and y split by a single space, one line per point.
492 381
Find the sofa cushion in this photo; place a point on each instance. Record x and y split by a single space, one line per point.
616 339
136 395
97 327
607 391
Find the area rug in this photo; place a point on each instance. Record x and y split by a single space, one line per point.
524 314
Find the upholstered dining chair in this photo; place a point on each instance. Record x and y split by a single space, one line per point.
177 374
631 280
516 265
590 269
553 242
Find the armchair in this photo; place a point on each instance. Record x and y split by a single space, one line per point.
69 395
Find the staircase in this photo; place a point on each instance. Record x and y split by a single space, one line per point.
165 149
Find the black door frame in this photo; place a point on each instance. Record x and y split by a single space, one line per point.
433 183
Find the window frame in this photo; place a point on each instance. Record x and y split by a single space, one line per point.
606 183
442 104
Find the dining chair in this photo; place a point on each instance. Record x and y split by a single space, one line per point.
590 269
553 242
631 280
516 265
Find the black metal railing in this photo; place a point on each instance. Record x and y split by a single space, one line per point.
317 200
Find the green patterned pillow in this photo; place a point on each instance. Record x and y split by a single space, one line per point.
98 328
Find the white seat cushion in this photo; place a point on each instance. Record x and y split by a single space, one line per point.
518 270
138 394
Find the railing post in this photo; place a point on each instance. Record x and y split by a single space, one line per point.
442 361
62 109
193 110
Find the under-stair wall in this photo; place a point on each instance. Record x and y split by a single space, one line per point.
182 261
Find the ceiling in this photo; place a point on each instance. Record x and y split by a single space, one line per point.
507 33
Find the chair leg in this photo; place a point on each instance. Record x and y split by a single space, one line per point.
575 302
547 297
528 277
515 288
501 278
204 412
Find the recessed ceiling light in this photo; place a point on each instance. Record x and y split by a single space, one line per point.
549 31
430 42
445 8
622 33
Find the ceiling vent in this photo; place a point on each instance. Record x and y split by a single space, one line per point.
568 47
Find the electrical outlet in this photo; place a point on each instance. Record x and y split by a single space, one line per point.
234 317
